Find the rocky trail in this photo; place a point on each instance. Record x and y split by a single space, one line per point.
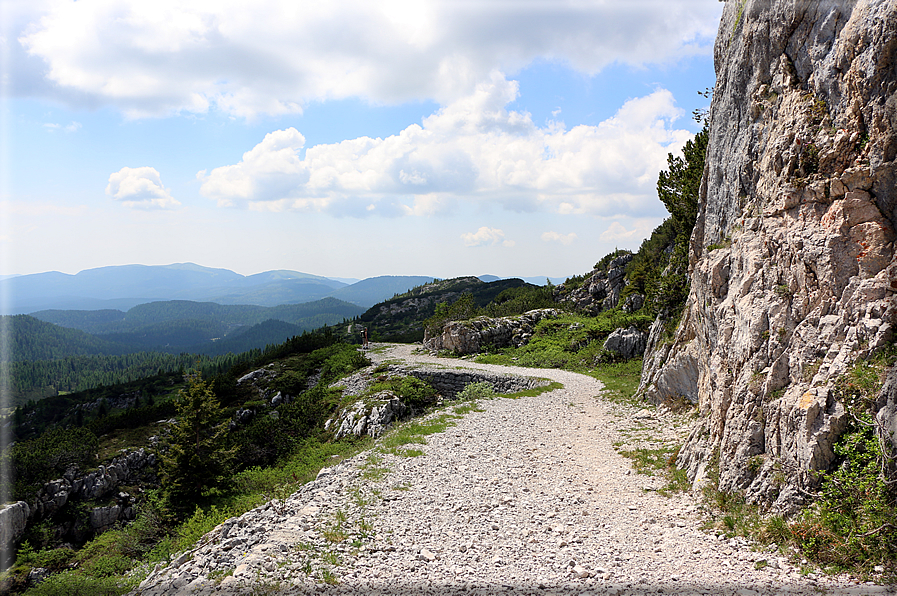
527 496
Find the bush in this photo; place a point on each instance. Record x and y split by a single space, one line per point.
47 457
475 391
54 559
463 309
75 583
411 390
852 525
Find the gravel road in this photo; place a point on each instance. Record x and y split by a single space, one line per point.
528 496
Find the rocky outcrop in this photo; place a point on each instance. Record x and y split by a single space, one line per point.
369 417
469 337
600 290
792 256
626 343
97 484
13 521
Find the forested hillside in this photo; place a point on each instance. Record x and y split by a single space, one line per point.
307 315
32 339
112 346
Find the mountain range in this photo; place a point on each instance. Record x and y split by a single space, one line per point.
125 286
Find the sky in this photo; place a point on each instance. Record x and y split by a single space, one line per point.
347 138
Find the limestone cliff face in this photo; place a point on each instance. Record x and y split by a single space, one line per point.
792 263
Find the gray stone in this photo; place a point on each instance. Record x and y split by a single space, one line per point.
103 518
628 343
799 182
13 521
469 337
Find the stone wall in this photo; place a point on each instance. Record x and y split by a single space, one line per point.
792 264
451 382
372 416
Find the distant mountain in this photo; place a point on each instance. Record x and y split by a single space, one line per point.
372 290
183 325
346 280
125 286
540 281
270 332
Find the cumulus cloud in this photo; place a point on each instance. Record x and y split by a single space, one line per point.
565 239
486 237
140 188
473 149
273 56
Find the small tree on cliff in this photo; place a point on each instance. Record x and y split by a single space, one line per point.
678 188
197 457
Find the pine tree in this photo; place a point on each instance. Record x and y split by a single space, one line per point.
197 458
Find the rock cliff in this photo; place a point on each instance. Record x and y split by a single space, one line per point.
792 257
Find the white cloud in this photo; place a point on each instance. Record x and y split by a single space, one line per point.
486 237
273 56
53 127
141 188
473 149
565 239
616 232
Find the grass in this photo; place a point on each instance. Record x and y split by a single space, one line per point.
372 468
115 442
621 381
571 342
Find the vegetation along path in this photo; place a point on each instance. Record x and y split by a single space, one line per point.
513 496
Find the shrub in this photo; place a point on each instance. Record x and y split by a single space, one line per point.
49 456
411 390
75 583
475 391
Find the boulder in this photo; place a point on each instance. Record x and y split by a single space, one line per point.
628 343
469 337
103 518
13 521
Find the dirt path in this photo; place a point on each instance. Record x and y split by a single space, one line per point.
527 496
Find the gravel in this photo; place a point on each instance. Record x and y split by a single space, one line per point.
527 497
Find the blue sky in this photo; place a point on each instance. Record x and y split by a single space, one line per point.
346 138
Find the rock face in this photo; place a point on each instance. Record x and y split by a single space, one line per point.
792 256
600 290
13 521
133 467
469 337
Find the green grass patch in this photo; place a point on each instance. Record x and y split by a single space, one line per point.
535 391
570 341
468 407
621 380
373 468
